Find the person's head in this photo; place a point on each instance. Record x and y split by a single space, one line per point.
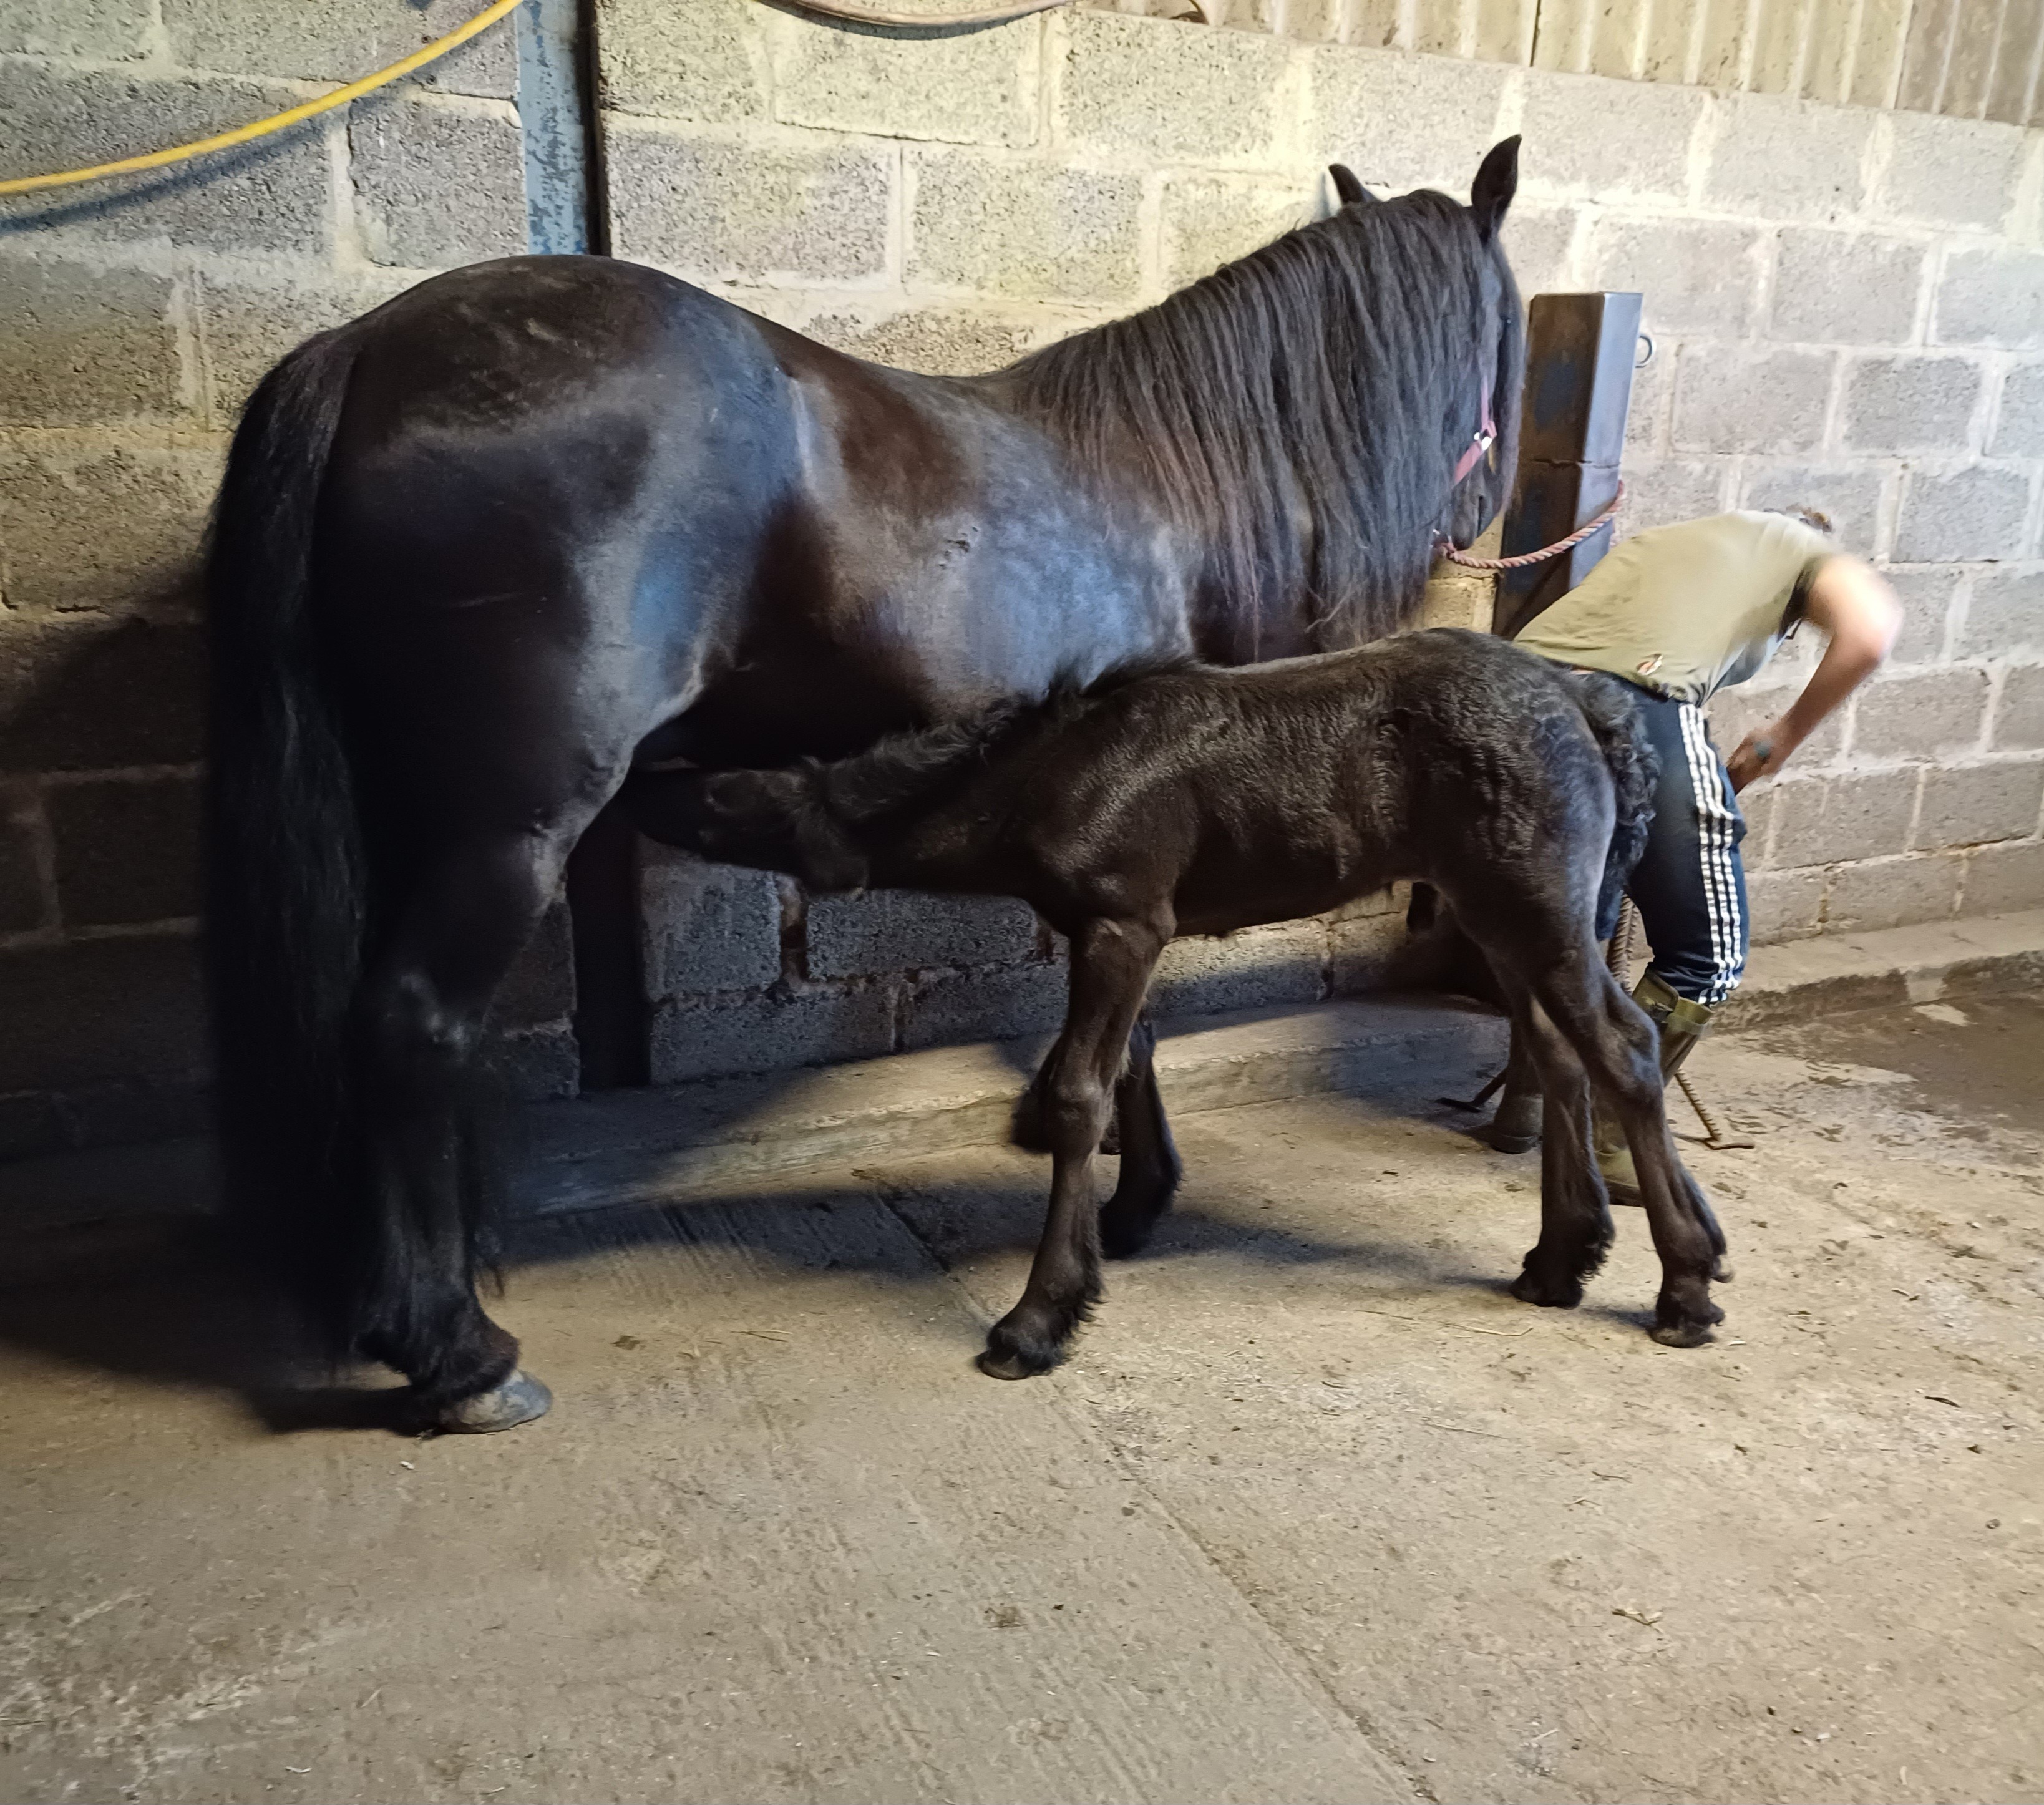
1810 517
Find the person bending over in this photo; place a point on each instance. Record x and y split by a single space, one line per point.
1680 613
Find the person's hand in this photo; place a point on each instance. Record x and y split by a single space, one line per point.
1760 754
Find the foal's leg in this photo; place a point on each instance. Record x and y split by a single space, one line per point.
1575 1213
421 1027
1112 962
1151 1168
1617 1043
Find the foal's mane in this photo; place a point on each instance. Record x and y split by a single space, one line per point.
1296 410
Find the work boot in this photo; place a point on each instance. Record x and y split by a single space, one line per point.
1682 1024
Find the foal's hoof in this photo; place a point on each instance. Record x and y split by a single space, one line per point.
1564 1292
520 1399
1721 1271
1008 1355
1685 1329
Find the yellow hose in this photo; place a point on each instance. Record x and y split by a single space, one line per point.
277 122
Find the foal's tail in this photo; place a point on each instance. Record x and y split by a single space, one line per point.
1613 714
286 886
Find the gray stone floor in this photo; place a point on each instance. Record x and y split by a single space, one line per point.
1316 1512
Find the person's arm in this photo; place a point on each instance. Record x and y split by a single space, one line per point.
1850 601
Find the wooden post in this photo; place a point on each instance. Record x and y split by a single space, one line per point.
1580 356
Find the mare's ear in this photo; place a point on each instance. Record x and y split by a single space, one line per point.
1497 182
1347 189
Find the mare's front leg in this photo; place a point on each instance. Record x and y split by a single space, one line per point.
1151 1168
1112 961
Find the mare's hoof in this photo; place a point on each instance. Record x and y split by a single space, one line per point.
1721 1271
520 1399
1549 1293
1123 1239
1008 1355
1672 1330
1011 1365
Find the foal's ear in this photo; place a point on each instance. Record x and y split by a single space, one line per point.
1347 189
1497 182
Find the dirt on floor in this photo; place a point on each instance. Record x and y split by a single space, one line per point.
1316 1512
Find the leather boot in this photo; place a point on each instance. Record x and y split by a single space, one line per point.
1682 1024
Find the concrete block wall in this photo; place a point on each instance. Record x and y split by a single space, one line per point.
134 318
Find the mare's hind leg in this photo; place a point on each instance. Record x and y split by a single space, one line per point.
1112 962
1151 1168
421 1029
1575 1212
1615 1041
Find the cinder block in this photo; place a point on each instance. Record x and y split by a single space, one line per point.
886 931
1972 803
109 31
1403 121
25 903
1208 222
245 328
1948 172
1697 275
720 211
705 927
539 989
714 1037
99 529
536 1064
271 195
1539 242
1910 404
437 183
1989 297
1785 905
1822 820
1849 497
1921 716
1286 962
2004 616
341 40
1926 593
1843 288
2018 714
86 1011
1736 712
1149 89
127 849
1609 138
1888 892
1978 513
984 1005
86 693
1728 398
1783 159
2019 425
84 346
936 341
1659 494
1366 952
1024 231
2003 878
706 60
976 87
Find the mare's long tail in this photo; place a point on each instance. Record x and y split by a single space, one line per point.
286 885
1612 713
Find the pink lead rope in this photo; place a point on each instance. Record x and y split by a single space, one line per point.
1449 550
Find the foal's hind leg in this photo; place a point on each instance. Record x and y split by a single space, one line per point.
1112 962
1151 1168
1615 1041
1575 1213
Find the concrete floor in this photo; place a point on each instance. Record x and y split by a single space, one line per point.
1316 1512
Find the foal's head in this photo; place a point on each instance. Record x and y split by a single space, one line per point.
776 820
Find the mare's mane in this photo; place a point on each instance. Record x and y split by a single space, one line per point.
1298 409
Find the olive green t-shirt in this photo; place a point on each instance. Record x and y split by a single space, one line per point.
1684 610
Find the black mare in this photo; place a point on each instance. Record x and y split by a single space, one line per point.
1201 801
483 551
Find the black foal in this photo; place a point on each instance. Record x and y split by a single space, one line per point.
1195 800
